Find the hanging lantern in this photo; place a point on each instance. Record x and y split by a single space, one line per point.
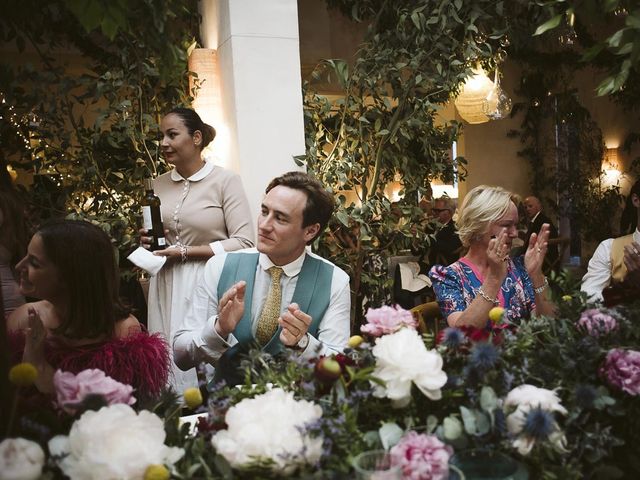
471 99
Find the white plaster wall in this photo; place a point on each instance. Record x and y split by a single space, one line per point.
258 51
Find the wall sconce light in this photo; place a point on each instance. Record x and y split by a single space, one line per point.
611 161
611 170
206 90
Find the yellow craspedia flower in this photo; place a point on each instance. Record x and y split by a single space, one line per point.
567 298
193 397
495 314
156 472
23 374
355 341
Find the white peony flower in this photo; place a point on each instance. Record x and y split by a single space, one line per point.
403 359
520 402
114 443
270 427
20 459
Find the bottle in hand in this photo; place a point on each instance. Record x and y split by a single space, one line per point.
151 216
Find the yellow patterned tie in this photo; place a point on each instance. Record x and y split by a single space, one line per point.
268 323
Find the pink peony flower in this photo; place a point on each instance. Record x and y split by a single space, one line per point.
597 323
385 320
71 389
422 457
622 369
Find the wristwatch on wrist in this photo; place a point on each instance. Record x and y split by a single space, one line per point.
302 343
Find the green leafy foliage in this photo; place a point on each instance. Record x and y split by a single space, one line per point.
618 49
384 128
91 134
601 424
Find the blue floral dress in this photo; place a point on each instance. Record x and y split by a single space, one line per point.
457 285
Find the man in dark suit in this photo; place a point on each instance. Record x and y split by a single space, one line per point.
447 247
536 218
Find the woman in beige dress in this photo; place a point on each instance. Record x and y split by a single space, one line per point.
205 212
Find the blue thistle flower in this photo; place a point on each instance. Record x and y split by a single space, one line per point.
539 424
452 337
585 396
483 356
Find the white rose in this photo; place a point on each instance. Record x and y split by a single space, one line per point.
403 359
270 427
114 443
20 459
534 397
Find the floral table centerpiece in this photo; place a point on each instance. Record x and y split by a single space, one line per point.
560 397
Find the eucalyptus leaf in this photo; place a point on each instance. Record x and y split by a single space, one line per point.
550 24
488 399
390 434
452 428
469 420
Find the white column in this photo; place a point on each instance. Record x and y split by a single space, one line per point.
259 59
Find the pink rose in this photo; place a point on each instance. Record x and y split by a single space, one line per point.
71 389
422 457
385 320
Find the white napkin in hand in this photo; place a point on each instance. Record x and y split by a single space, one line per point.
146 260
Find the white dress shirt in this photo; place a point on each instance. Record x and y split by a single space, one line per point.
598 275
196 340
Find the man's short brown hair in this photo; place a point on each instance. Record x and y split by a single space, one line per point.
320 203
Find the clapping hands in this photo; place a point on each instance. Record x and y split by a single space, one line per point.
536 251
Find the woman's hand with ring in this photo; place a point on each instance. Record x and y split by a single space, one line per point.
536 251
498 254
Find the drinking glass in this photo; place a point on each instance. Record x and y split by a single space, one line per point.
376 465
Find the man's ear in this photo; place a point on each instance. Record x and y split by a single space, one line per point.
310 231
635 200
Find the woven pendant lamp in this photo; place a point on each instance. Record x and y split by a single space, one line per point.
472 97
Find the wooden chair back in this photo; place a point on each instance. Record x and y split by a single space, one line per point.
428 316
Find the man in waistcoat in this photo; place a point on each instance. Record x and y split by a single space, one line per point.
278 295
615 265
